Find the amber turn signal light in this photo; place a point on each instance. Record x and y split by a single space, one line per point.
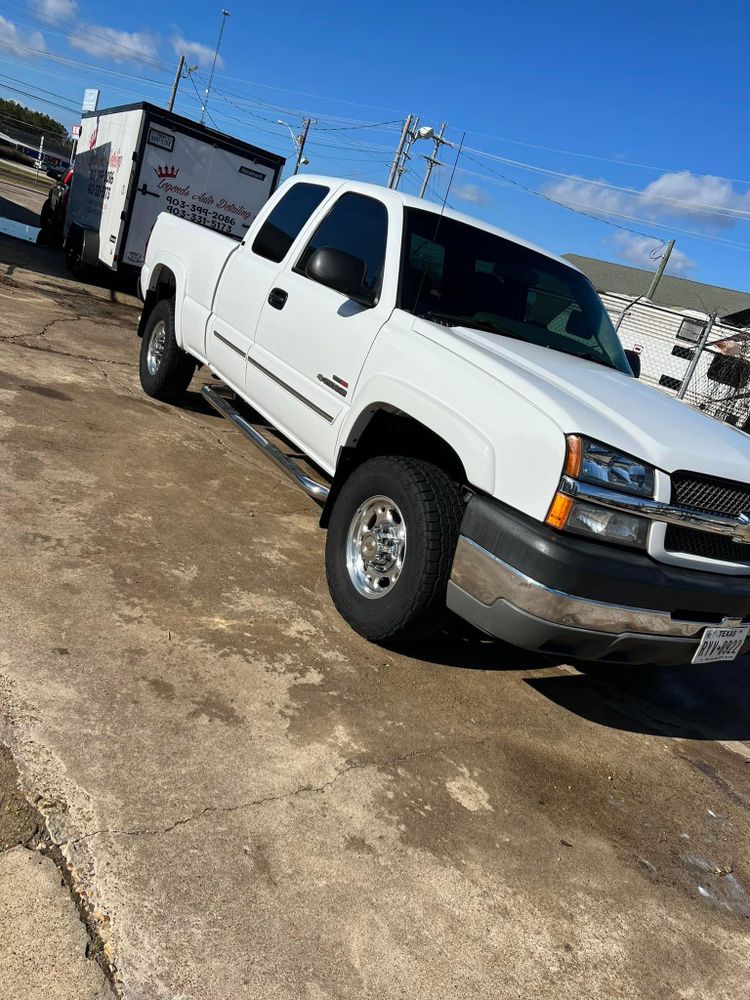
574 455
560 510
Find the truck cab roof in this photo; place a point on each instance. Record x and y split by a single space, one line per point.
399 199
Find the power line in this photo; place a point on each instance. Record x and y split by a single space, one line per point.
562 204
571 207
68 30
734 213
592 156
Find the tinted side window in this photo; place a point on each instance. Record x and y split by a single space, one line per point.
283 225
357 225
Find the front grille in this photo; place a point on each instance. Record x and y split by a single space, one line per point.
714 496
719 496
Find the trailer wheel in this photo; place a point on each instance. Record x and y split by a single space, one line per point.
74 252
390 546
165 369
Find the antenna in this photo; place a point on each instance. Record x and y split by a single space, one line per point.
224 16
440 216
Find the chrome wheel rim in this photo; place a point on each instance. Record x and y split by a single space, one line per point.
376 547
157 343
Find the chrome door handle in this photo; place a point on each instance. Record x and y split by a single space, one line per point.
277 298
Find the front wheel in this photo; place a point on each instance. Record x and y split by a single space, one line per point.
165 369
391 539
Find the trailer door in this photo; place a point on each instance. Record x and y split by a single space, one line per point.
195 180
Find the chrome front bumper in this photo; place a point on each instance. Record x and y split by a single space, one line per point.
488 579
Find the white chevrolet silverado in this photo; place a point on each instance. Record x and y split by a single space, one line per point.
480 439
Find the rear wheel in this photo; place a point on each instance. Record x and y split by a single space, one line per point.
165 369
391 539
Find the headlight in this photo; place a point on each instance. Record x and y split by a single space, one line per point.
593 462
610 525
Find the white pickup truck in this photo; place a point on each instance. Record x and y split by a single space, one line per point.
482 444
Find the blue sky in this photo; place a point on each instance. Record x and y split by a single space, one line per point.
633 113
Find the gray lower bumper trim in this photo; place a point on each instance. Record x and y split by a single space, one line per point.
489 579
522 629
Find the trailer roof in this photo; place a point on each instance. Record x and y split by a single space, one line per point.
192 127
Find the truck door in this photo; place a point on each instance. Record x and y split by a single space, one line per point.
248 276
312 341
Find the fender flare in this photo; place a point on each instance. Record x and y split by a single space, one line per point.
167 262
474 449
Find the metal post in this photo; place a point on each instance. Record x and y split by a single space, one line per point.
399 151
411 138
306 123
660 269
176 84
39 158
699 348
224 16
432 161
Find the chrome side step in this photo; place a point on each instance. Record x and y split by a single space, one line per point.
313 489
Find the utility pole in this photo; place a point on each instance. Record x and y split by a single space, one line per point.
660 269
399 151
411 138
699 349
301 140
176 84
432 161
224 16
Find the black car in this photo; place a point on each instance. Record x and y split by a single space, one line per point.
52 215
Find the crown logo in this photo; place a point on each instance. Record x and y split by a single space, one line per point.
165 171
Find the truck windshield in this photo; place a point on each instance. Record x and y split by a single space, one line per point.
459 275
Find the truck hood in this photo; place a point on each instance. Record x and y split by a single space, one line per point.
586 398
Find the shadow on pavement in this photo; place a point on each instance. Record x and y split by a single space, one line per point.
51 262
464 648
705 702
18 213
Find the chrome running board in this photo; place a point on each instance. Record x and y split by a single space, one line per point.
316 490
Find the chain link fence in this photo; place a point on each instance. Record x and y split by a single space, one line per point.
688 355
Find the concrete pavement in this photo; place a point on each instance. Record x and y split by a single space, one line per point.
253 801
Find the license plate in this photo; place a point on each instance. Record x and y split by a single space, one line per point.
720 644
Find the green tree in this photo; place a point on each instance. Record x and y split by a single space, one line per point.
16 115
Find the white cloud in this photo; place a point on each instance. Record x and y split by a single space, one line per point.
637 250
470 193
111 43
60 9
19 41
195 52
709 201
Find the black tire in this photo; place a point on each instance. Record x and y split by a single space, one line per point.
174 368
45 216
431 506
74 254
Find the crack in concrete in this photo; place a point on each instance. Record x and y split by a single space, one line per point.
302 790
21 340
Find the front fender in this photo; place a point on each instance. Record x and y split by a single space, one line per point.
391 393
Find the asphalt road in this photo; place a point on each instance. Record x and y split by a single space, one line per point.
253 801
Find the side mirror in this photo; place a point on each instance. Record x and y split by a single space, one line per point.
634 360
341 271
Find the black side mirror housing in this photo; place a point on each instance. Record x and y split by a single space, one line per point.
634 360
341 271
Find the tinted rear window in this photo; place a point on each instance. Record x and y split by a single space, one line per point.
284 224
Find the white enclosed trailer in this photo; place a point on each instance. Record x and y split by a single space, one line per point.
138 160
